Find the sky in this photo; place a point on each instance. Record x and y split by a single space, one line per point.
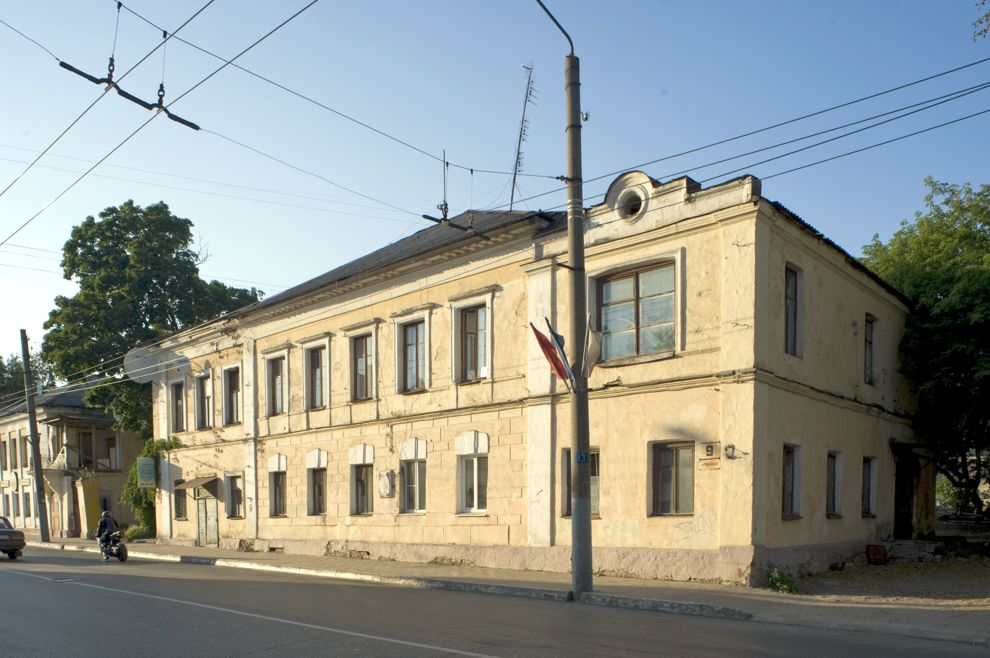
309 187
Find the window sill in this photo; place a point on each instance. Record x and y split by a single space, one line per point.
275 415
415 512
671 514
833 516
204 428
414 391
317 408
360 400
232 423
235 518
182 518
594 517
869 515
634 360
472 382
362 514
316 514
790 517
480 513
278 516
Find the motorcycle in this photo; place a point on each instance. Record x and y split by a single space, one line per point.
114 547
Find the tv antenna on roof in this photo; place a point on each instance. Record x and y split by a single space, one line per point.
523 127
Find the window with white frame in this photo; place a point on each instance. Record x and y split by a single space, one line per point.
276 484
362 459
27 504
177 405
672 475
471 449
869 495
316 482
636 312
362 361
277 388
791 482
594 469
412 371
471 335
315 359
412 475
231 396
234 500
833 485
793 310
204 402
869 330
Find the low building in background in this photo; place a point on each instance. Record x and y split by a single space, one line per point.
84 464
746 408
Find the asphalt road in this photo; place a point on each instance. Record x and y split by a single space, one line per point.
73 604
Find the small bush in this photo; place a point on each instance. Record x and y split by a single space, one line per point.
138 532
781 580
837 566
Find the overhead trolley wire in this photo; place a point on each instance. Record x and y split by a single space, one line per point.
98 98
341 114
152 118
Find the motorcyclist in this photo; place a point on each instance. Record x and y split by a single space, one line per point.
106 528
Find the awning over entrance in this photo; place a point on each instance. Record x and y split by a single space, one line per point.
197 482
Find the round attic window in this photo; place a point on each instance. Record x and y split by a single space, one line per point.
630 205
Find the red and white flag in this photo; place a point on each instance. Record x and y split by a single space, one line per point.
552 354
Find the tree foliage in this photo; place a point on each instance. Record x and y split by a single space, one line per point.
142 500
981 25
138 278
12 374
941 261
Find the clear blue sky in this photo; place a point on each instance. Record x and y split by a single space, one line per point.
657 77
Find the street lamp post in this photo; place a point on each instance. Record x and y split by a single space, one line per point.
581 578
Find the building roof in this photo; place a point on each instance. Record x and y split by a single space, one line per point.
67 398
479 224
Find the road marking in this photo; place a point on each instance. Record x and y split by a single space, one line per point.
279 620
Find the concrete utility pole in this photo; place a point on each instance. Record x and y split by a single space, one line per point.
581 577
39 481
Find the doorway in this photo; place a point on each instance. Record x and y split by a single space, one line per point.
207 524
906 472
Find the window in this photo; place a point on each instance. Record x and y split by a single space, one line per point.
27 504
276 493
869 488
111 454
637 313
231 396
17 505
413 483
673 478
594 461
833 485
361 499
315 395
27 457
105 498
235 497
474 343
869 326
792 310
790 491
86 450
413 365
360 367
317 486
204 403
12 444
474 483
180 500
3 455
276 386
178 408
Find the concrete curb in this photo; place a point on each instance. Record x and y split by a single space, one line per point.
543 594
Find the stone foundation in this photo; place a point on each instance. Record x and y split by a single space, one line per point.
801 560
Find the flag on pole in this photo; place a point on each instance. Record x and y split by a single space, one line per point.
550 352
592 348
558 342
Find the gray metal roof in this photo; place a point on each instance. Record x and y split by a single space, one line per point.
62 398
433 239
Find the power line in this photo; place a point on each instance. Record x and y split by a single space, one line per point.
772 126
152 118
341 114
97 100
3 22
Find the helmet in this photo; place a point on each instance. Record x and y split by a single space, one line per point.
106 515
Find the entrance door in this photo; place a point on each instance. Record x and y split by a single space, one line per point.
905 477
207 532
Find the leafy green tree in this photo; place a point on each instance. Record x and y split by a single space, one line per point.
138 278
12 375
981 25
941 261
142 501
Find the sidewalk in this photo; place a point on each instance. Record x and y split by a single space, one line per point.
943 619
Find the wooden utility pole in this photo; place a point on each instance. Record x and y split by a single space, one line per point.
39 481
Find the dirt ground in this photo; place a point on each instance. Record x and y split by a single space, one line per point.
947 581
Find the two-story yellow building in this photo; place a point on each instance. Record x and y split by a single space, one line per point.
746 409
